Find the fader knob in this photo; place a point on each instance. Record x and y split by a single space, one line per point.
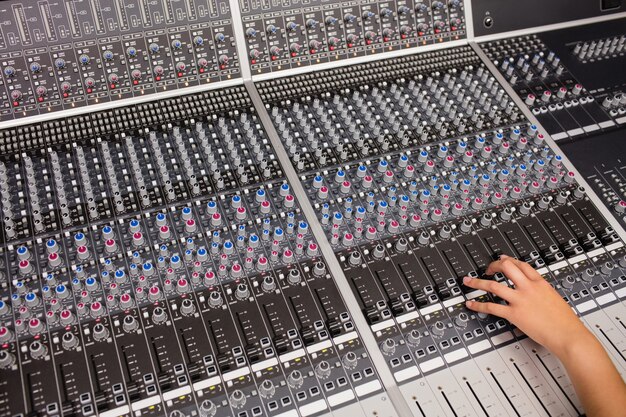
322 370
207 409
295 379
267 389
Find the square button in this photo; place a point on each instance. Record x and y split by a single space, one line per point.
356 376
420 353
301 396
431 349
256 411
285 401
273 405
329 386
368 372
314 391
444 344
394 362
341 381
406 358
468 336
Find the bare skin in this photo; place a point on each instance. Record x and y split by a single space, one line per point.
540 312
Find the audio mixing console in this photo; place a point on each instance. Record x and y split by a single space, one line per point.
184 234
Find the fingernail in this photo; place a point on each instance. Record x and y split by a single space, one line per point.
468 303
504 256
467 280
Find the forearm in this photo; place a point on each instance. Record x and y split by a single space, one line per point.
596 381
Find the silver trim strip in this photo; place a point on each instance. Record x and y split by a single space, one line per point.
378 360
548 140
240 40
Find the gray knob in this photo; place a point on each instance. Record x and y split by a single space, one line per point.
445 232
378 252
268 284
187 307
389 346
7 359
568 282
37 350
587 275
215 299
295 379
423 238
607 267
242 292
322 370
69 341
130 324
100 332
350 360
461 320
294 276
355 258
319 269
267 389
438 329
158 315
207 409
414 337
401 245
237 399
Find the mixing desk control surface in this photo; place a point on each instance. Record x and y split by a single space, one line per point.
68 54
294 244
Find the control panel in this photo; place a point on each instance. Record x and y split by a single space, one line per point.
179 241
422 170
68 54
567 78
282 36
164 267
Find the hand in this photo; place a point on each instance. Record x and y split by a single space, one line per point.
533 306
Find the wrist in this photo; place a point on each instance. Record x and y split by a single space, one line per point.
576 343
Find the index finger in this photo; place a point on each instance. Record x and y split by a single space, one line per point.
508 267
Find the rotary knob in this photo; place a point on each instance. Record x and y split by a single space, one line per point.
84 59
207 409
37 350
267 389
100 332
130 324
355 258
215 299
322 370
461 320
242 291
350 360
294 276
275 51
319 269
237 399
7 359
269 284
315 46
413 338
388 347
158 315
294 48
41 91
295 379
6 335
154 48
223 60
69 341
186 307
60 63
378 252
438 329
9 71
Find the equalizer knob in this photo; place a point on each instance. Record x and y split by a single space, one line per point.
7 359
461 320
37 350
269 284
414 337
350 360
186 307
9 71
388 347
322 370
438 329
130 324
6 335
100 332
295 379
267 389
207 409
215 299
242 291
158 315
69 341
237 399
